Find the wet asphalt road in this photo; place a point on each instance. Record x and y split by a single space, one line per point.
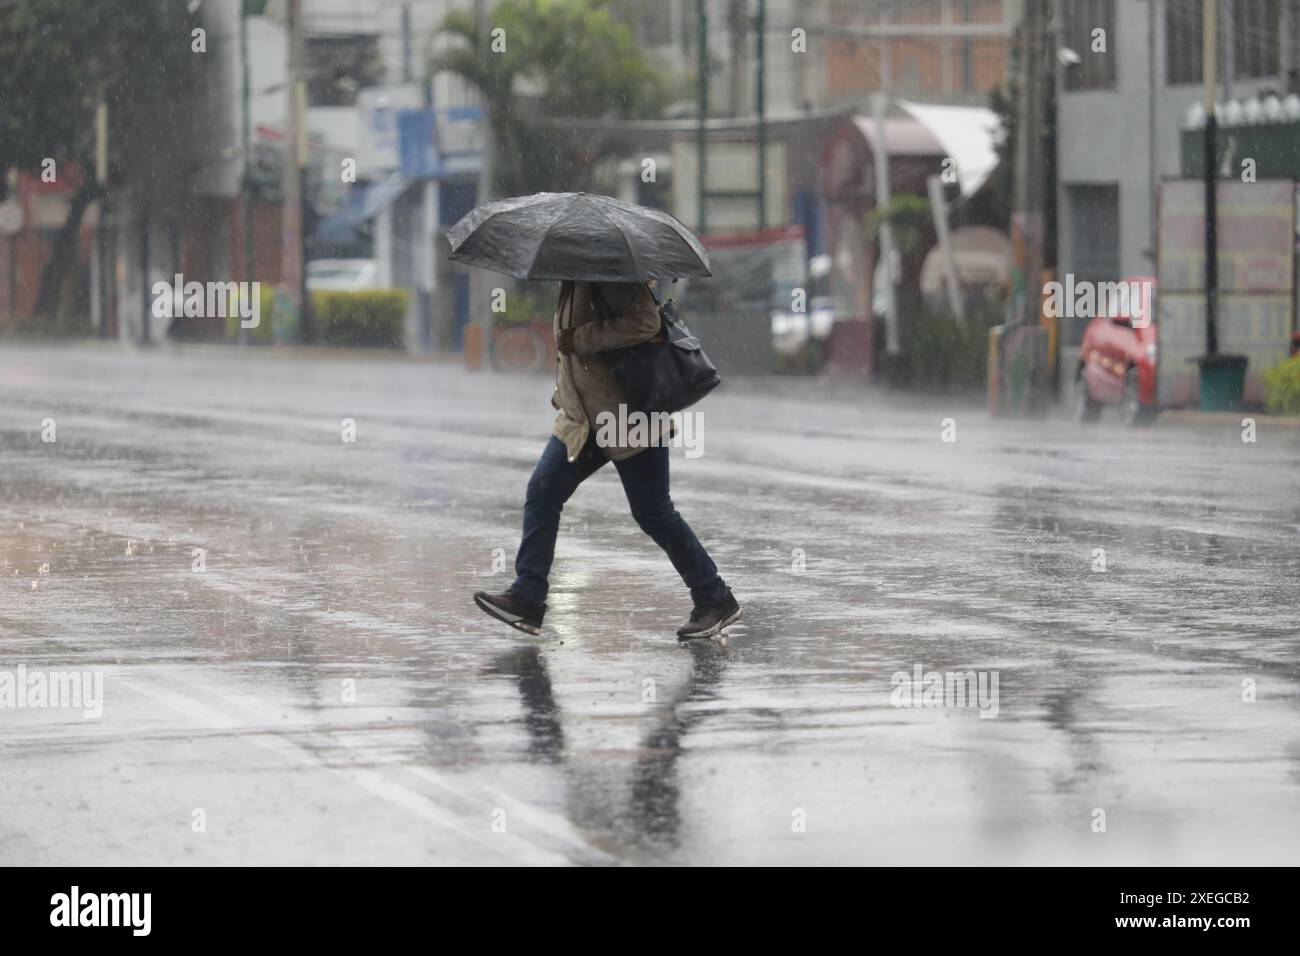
324 691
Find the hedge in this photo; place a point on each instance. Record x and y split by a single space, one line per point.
371 319
368 319
266 311
1282 387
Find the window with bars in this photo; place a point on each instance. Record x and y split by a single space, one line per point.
1093 210
1256 38
1094 230
1183 26
1291 36
977 11
1094 71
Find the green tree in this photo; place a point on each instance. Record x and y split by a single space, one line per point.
58 60
912 224
561 59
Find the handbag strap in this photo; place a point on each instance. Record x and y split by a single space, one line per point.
567 295
663 316
598 300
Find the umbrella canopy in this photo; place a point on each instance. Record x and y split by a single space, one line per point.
577 236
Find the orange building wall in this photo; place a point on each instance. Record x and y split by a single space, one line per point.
919 65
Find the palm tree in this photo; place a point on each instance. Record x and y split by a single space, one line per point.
548 61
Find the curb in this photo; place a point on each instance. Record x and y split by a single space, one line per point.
316 352
1182 418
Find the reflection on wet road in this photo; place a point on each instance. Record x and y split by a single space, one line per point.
293 671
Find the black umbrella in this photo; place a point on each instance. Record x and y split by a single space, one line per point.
576 236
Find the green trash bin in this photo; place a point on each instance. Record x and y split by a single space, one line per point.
1223 380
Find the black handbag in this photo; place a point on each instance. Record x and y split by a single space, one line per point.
666 374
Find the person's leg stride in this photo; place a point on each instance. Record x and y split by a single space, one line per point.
646 484
553 482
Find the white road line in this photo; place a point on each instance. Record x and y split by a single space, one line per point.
372 781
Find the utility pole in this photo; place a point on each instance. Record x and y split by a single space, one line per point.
737 39
1027 220
407 75
939 213
880 160
760 98
1209 60
427 247
480 297
246 117
702 111
99 301
294 176
146 305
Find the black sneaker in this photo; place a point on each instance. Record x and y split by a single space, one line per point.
707 621
520 614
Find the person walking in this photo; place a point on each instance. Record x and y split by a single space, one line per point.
591 318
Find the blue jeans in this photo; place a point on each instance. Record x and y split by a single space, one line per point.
645 482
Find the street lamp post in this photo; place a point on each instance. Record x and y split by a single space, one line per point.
760 99
1222 377
248 156
1209 57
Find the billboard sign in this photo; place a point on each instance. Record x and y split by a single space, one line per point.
1257 229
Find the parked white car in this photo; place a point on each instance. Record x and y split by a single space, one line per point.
790 330
341 275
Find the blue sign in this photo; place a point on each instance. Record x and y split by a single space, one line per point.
435 144
417 144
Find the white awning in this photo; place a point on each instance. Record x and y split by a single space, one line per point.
968 134
379 196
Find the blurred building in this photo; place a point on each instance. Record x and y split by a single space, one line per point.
1119 115
932 51
31 216
363 63
823 63
943 51
415 147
